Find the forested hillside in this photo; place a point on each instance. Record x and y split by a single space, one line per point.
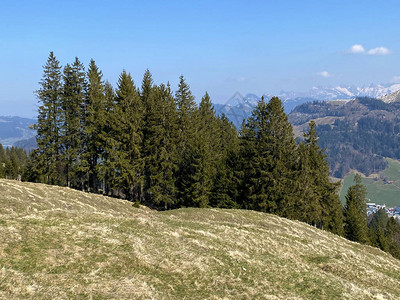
357 134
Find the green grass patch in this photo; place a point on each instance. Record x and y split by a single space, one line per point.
382 190
319 259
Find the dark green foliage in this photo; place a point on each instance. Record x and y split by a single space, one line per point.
189 161
49 162
355 213
93 124
13 163
268 149
71 134
318 196
153 148
225 183
126 139
382 232
159 149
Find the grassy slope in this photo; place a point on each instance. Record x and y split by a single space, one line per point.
64 244
378 191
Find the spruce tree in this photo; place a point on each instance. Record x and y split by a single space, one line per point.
318 199
186 109
355 213
269 154
72 101
105 171
159 151
187 176
49 124
126 139
225 187
93 123
382 232
204 153
3 161
309 207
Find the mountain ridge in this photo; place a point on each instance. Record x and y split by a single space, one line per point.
239 107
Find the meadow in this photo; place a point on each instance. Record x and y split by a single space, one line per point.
60 243
382 188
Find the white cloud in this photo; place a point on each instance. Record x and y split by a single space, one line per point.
325 74
379 51
357 49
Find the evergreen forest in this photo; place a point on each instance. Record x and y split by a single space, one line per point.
157 147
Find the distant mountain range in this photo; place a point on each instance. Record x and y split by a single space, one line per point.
15 130
239 107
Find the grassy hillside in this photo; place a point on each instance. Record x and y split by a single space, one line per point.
64 244
379 189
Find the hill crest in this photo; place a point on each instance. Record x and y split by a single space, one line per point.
62 243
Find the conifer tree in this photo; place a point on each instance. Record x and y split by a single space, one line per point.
186 109
382 230
187 175
309 207
355 214
72 101
126 139
49 123
319 200
105 165
269 152
205 153
94 118
3 161
225 187
159 151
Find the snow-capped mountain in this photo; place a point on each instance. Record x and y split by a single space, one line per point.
393 97
340 92
239 107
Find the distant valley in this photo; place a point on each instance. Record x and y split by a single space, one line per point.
15 131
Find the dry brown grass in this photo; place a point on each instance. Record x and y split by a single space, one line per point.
60 243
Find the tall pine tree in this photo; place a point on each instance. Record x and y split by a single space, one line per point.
126 139
93 124
355 212
318 198
159 150
48 164
269 153
72 101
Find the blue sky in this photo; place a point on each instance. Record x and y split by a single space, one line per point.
224 47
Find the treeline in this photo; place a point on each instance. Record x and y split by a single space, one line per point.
155 147
13 162
378 230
